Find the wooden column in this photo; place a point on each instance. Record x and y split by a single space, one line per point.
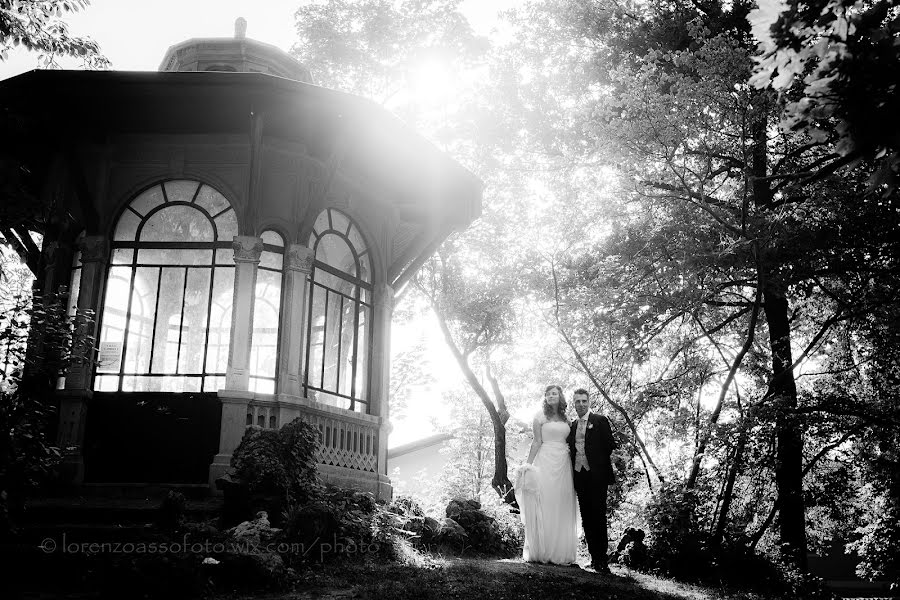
77 393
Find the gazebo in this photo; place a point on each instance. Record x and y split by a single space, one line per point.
240 234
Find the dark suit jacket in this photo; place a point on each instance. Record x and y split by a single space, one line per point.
598 446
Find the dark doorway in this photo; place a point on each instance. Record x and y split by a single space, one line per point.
151 437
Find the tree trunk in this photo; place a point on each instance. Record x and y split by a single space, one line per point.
728 493
500 481
789 453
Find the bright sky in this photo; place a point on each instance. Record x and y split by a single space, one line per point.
135 34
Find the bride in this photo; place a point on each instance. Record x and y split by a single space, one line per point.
544 488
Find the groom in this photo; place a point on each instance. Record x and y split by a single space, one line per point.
590 444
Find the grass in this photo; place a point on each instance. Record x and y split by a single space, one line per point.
462 579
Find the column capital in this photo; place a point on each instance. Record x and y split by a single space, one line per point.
247 248
94 248
300 258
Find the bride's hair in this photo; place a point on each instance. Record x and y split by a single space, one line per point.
560 408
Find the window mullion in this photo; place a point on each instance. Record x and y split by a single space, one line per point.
127 323
324 340
181 323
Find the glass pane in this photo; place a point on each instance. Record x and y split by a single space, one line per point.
270 260
348 339
264 351
193 330
181 191
122 256
321 222
273 238
148 200
220 320
356 240
211 201
115 305
225 256
144 383
177 224
333 338
168 320
365 267
213 384
333 282
226 225
174 256
331 400
339 222
362 351
127 226
334 251
106 383
262 386
140 325
317 334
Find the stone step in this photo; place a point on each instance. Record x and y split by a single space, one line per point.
104 510
195 491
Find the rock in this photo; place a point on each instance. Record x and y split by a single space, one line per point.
460 505
631 550
451 531
256 532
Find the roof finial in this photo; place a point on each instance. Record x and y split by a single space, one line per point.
240 28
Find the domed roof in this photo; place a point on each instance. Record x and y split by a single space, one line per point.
238 54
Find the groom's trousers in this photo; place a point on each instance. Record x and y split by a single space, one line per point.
591 493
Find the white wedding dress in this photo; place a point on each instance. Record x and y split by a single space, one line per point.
546 496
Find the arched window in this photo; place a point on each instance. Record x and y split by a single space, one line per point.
340 314
264 350
166 318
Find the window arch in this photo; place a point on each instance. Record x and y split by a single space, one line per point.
340 314
166 317
266 311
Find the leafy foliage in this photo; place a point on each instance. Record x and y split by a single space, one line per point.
36 343
38 26
279 462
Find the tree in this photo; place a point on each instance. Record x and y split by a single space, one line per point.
838 65
39 27
724 232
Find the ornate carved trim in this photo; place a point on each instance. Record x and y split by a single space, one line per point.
247 248
94 248
300 258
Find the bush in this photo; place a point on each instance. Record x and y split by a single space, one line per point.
272 469
341 523
678 547
879 546
35 345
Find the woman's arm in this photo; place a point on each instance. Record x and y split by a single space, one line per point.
537 441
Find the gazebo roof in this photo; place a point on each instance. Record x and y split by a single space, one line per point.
431 193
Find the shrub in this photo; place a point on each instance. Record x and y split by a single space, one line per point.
36 343
879 546
278 463
678 545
